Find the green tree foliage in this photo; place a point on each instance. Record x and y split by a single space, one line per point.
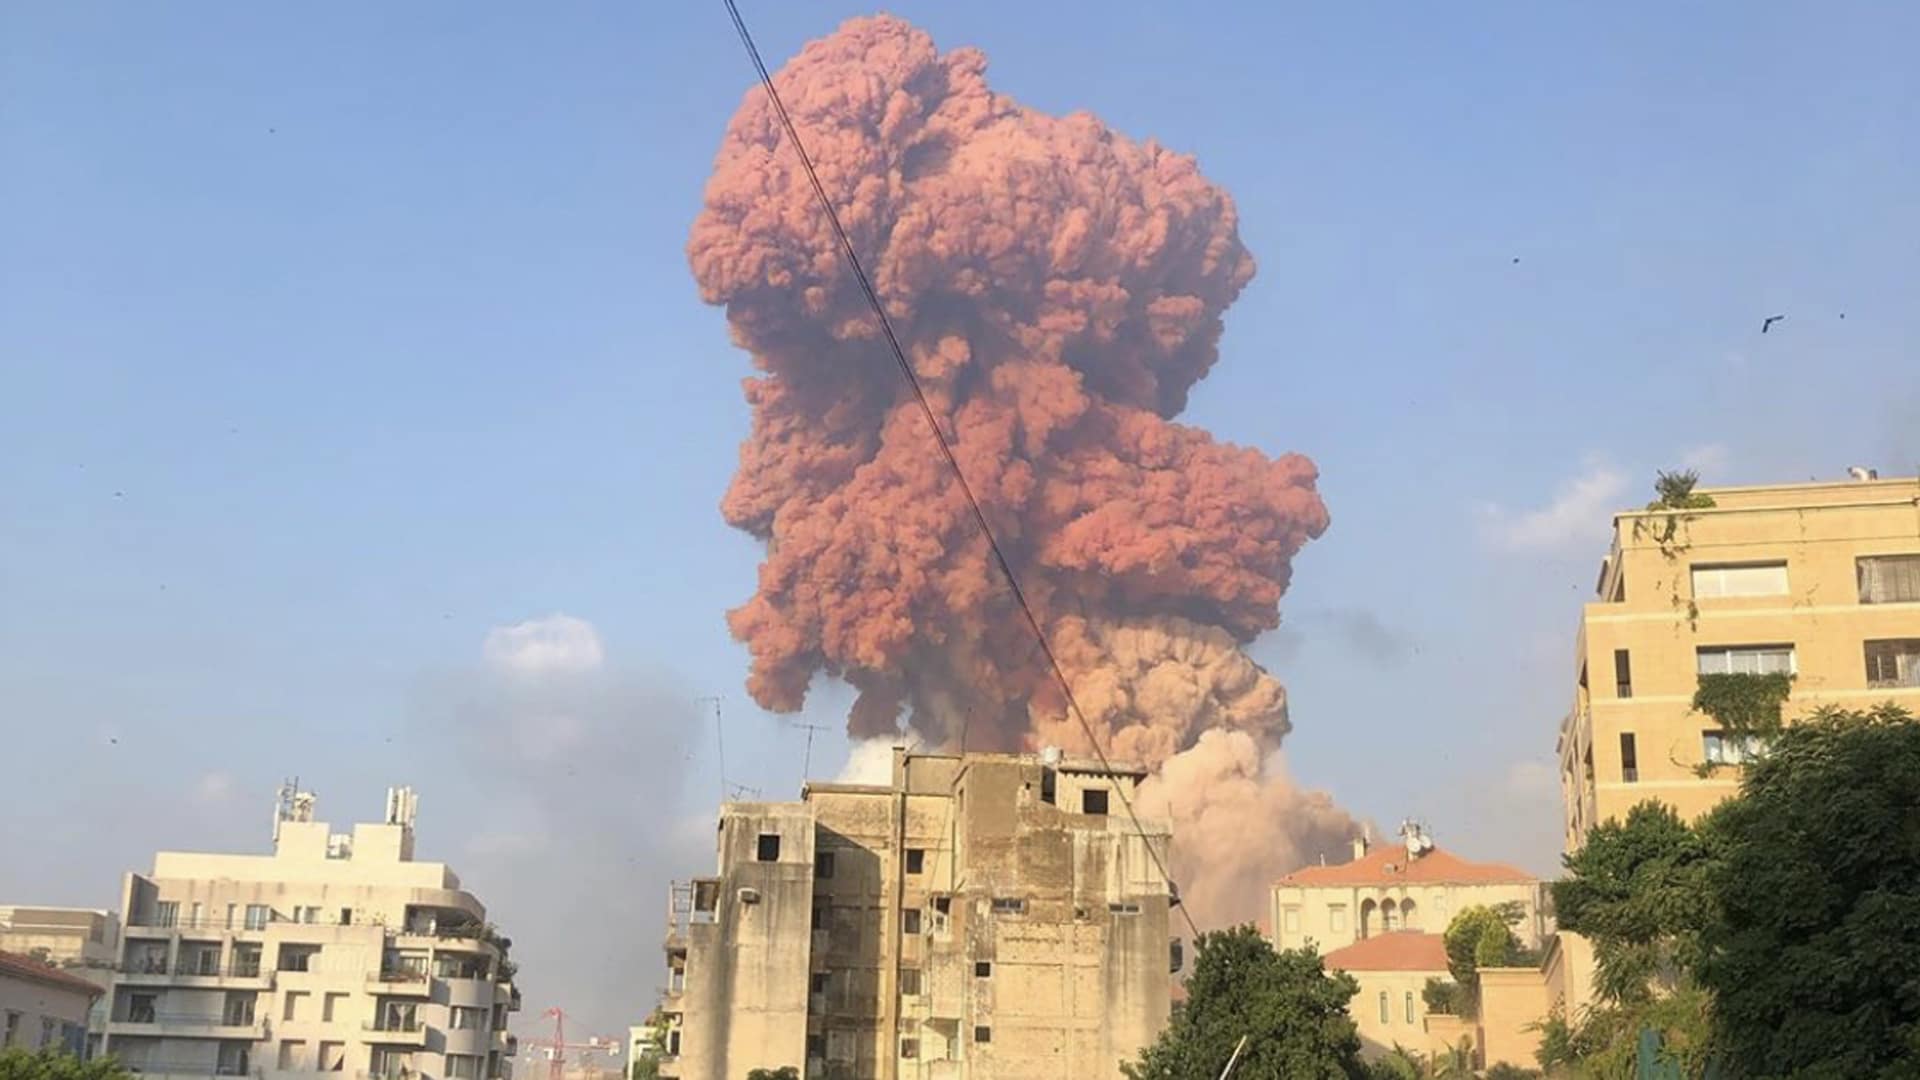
1444 996
1674 491
1639 891
1743 702
1815 960
1292 1011
1478 937
784 1072
1507 1071
17 1063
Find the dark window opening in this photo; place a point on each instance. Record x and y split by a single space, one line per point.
1093 802
769 850
983 969
816 1046
1893 663
346 916
909 1048
1629 758
822 863
1889 579
1622 674
916 860
1047 785
1009 905
818 984
983 1034
910 981
819 916
910 920
943 904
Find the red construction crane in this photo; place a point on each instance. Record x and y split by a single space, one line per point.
558 1047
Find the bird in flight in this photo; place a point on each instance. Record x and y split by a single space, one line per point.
1767 323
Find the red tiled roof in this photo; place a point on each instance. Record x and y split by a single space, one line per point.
1388 864
17 966
1402 950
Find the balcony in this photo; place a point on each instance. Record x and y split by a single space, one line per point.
396 1032
154 1070
399 983
190 1026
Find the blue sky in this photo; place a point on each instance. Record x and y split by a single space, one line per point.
333 339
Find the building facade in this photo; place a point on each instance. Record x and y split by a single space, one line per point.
981 917
1387 888
1820 581
43 1007
337 953
83 942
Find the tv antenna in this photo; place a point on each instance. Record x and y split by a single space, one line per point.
806 764
719 740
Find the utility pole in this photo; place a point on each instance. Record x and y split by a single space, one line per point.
1224 1073
719 741
806 765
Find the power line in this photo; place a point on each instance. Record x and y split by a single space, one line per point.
946 450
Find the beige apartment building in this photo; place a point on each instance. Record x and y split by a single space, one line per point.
1820 580
336 954
43 1007
83 942
981 917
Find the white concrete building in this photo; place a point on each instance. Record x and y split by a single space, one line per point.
41 1006
84 942
338 953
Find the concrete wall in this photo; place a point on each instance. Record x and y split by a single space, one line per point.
1512 1001
1379 1034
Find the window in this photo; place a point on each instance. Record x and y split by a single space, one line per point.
943 904
1893 663
231 908
910 981
1290 918
819 916
47 1028
1009 905
909 1048
1629 759
1093 801
1622 673
292 1004
195 918
346 916
333 1056
12 1028
673 1042
309 915
1389 916
1337 917
1747 579
982 1034
330 1006
1048 786
1889 579
166 913
1386 1012
769 849
910 921
390 1063
468 1019
293 1055
817 1047
257 916
232 1059
246 959
822 861
1410 1018
1746 660
1127 908
676 983
1725 748
817 984
983 969
140 1008
297 957
463 1067
916 860
238 1009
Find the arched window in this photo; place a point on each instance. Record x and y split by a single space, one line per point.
1389 916
1409 916
1366 918
1386 1011
1409 1006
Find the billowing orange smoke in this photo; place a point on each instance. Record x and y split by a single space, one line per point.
1059 290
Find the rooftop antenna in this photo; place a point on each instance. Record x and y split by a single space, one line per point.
806 765
719 741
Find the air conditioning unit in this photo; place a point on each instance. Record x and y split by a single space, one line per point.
749 896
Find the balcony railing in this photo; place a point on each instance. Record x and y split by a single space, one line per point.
192 1068
189 1020
392 1025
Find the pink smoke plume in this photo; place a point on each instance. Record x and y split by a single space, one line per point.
1059 289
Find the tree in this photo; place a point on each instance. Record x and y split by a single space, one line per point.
1292 1011
784 1072
1477 937
17 1063
1639 891
1815 959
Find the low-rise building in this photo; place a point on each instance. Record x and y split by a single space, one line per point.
337 953
43 1007
981 917
83 942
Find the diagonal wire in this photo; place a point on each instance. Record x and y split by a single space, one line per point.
946 449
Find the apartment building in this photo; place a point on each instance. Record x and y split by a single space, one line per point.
1817 580
337 953
43 1007
83 942
981 917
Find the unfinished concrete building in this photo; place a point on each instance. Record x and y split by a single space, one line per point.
982 917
